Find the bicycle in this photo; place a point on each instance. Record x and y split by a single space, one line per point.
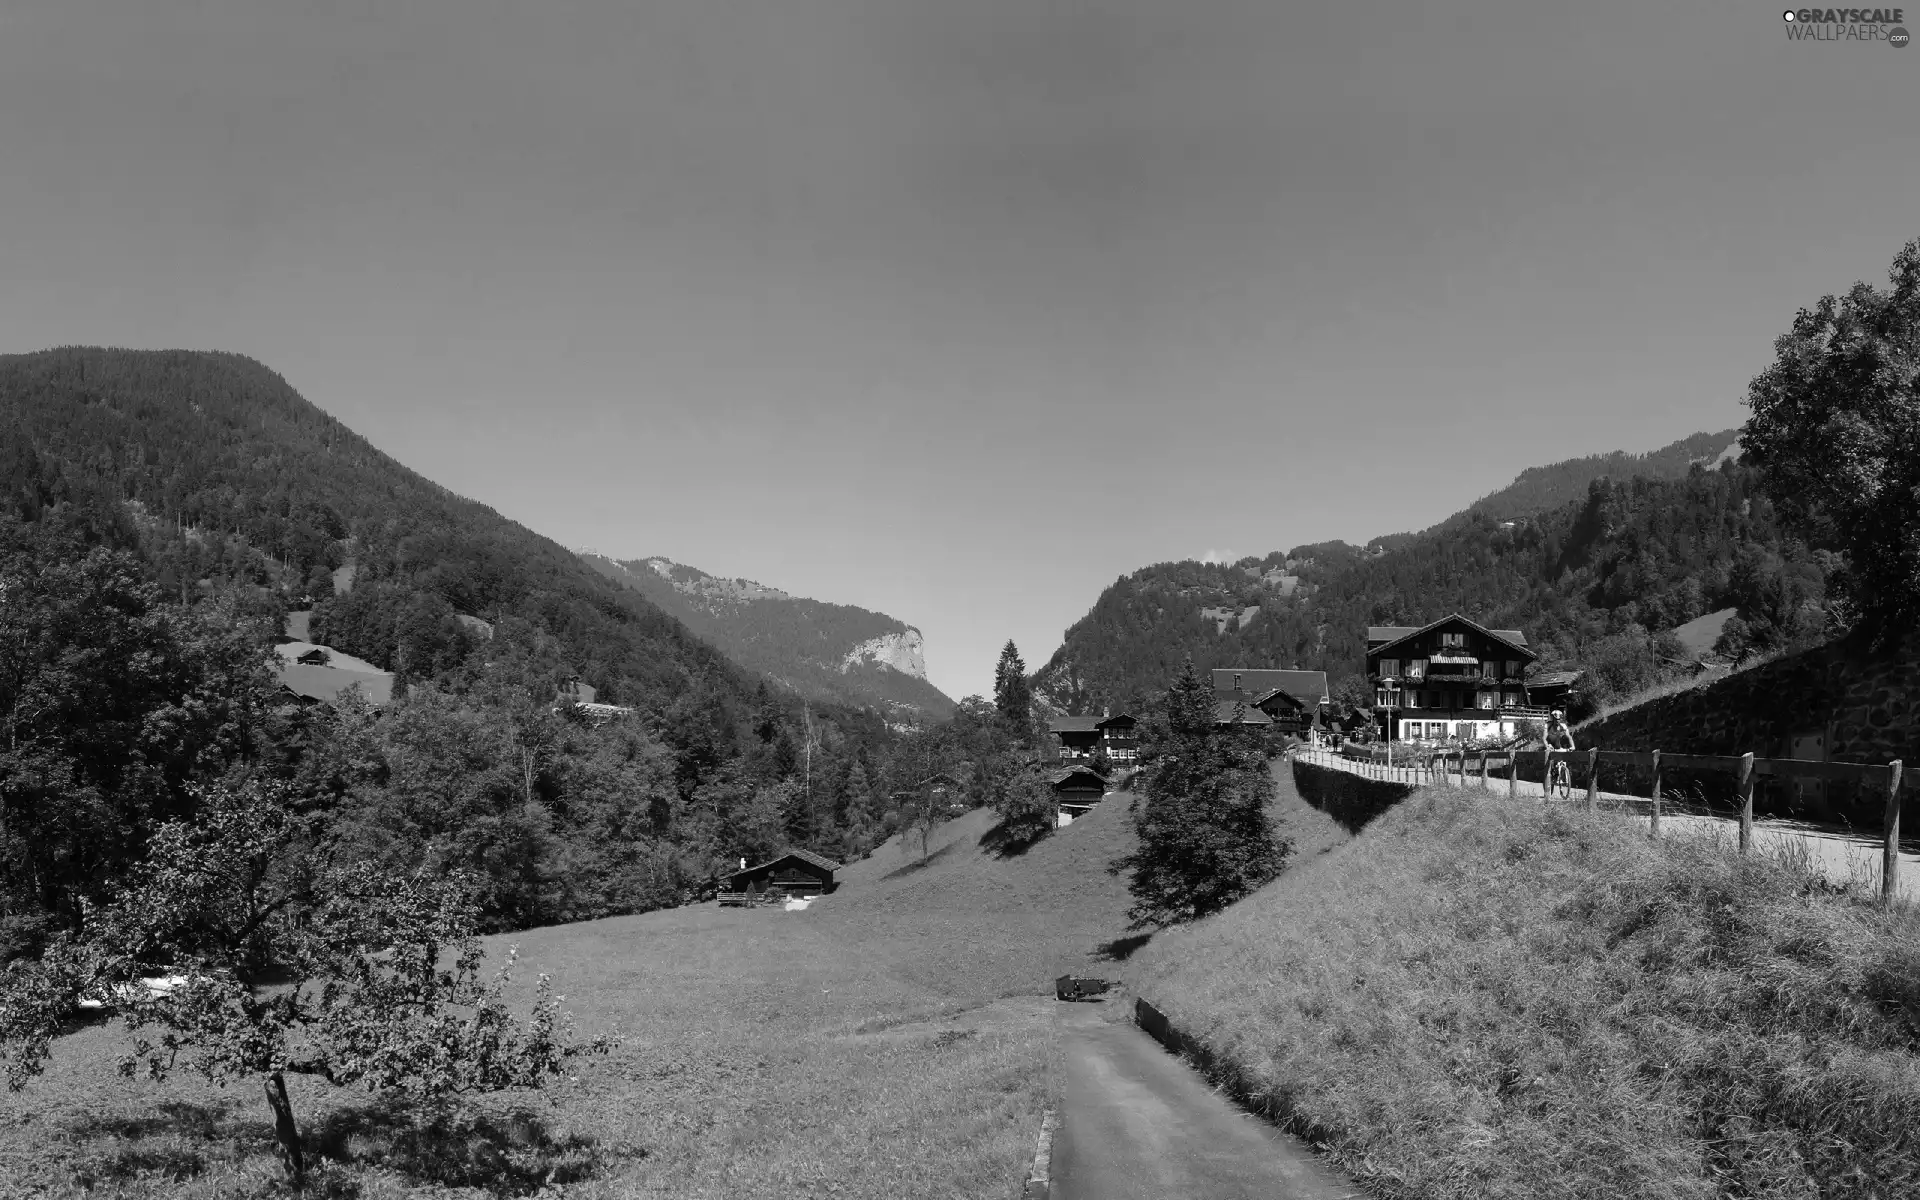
1561 774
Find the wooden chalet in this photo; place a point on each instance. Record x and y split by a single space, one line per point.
1292 700
1082 738
1078 789
1553 689
1453 678
794 873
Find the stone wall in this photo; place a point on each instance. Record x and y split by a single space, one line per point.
1856 704
1350 799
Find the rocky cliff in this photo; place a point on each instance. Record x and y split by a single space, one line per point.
829 652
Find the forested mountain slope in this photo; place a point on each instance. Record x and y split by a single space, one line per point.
1590 582
161 511
1537 489
238 476
822 651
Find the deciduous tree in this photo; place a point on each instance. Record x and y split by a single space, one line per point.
1836 427
386 989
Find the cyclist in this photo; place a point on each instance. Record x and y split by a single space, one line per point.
1560 737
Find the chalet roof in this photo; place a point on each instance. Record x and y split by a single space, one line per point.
1088 724
805 856
291 652
1223 714
948 778
1283 693
1385 637
1088 774
1554 678
329 683
1306 686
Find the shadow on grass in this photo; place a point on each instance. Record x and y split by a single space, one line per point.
174 1143
919 864
1002 844
504 1154
510 1153
1120 949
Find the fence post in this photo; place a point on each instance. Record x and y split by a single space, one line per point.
1513 772
1655 831
1483 770
1593 777
1746 802
1546 772
1890 869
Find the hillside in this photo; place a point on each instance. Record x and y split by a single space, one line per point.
990 924
821 651
1475 999
1588 581
1537 489
228 473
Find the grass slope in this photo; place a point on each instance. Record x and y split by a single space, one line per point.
863 1048
892 1040
1478 998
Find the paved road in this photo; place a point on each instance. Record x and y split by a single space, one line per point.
1137 1123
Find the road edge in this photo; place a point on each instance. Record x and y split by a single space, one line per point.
1038 1185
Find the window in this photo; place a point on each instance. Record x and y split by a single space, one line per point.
1389 667
1513 669
1453 640
1489 670
1236 679
1417 669
1512 699
1436 729
1487 699
1379 697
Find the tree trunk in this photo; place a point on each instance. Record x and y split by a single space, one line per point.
285 1130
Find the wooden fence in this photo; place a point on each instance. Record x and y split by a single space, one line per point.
1437 766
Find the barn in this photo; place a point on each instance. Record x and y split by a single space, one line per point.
795 872
1078 789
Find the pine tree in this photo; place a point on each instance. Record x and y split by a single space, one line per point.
1205 839
1011 693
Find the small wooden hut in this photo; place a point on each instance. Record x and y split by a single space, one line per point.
793 873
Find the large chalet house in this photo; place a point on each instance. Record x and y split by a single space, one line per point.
1454 678
1289 700
1081 738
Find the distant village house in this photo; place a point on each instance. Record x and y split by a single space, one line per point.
1291 700
1082 739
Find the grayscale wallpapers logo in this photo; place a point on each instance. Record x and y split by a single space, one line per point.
1847 25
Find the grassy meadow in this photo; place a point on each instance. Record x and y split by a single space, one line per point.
1478 998
893 1040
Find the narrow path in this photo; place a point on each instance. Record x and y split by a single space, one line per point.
1137 1123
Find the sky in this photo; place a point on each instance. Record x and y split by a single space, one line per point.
958 310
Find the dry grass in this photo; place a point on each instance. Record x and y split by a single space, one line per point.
1478 998
892 1040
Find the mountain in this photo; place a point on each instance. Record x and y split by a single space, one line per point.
1591 580
217 469
1538 489
821 651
